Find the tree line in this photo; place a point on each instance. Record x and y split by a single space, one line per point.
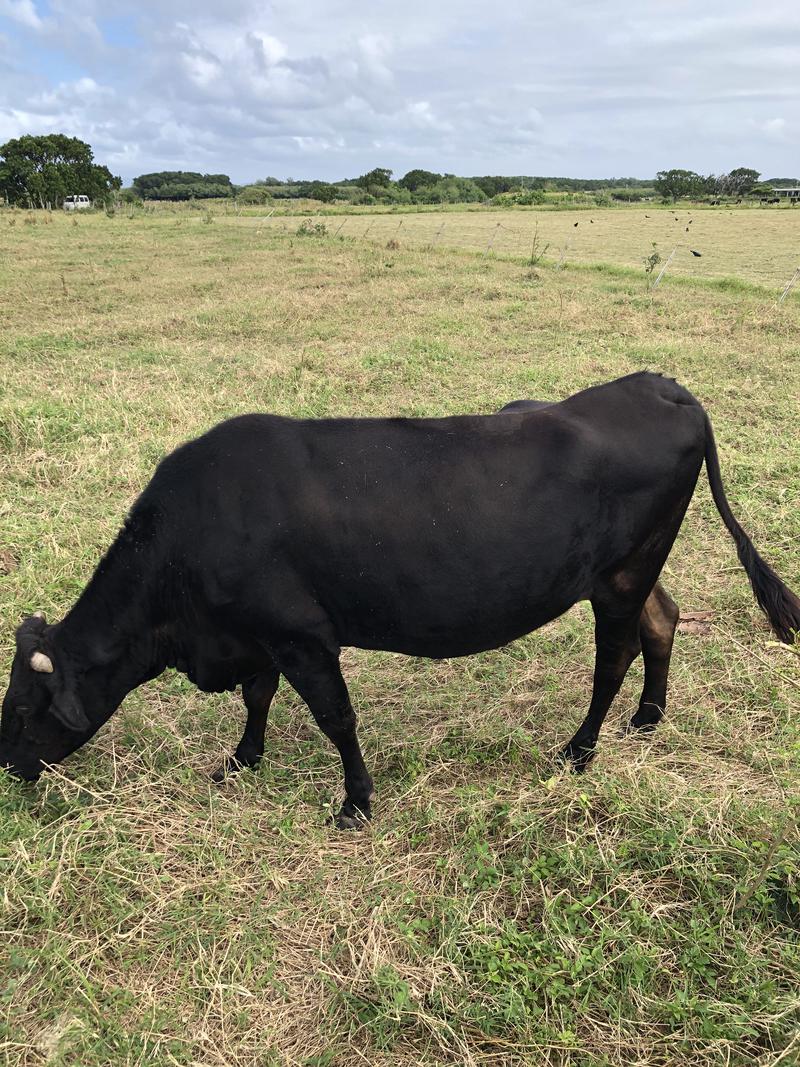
182 185
420 186
740 182
42 171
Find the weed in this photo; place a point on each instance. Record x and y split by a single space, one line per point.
652 261
538 250
308 228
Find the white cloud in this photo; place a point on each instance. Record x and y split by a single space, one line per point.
423 117
205 71
332 88
268 49
774 127
22 11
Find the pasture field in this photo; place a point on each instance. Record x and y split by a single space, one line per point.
760 246
496 912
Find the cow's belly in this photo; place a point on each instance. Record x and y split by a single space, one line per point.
463 638
453 619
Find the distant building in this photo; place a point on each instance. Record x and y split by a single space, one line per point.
788 192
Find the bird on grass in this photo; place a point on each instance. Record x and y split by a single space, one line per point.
698 254
574 224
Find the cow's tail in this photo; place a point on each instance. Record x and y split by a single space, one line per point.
775 599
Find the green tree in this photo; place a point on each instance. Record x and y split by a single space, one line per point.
380 177
43 170
492 184
254 194
318 190
739 182
181 185
451 190
415 179
674 184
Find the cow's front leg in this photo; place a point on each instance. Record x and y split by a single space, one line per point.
313 670
257 693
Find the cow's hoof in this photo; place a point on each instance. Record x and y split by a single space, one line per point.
637 729
229 767
576 757
645 720
351 818
349 822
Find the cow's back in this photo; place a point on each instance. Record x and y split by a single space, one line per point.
428 536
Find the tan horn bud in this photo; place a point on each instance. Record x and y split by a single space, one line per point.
38 615
42 663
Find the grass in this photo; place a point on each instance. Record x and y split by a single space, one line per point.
495 913
744 244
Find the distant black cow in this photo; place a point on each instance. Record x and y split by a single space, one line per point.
266 545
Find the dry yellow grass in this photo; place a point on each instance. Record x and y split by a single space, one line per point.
760 246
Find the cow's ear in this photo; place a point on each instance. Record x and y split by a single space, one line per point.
68 710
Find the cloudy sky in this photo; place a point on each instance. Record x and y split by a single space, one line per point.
331 89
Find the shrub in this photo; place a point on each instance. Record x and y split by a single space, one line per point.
519 198
307 228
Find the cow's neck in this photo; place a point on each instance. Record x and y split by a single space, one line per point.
116 614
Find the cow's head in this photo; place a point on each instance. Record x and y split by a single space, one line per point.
43 717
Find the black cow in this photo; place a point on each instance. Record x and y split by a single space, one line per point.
267 544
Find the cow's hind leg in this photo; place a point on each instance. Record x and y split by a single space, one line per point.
617 645
257 693
313 670
618 600
657 632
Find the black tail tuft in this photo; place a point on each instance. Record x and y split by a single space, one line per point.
775 599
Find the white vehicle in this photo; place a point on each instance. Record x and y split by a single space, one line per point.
76 203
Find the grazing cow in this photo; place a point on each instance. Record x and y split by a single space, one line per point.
266 545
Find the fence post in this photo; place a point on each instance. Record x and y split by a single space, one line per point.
664 268
789 287
491 239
